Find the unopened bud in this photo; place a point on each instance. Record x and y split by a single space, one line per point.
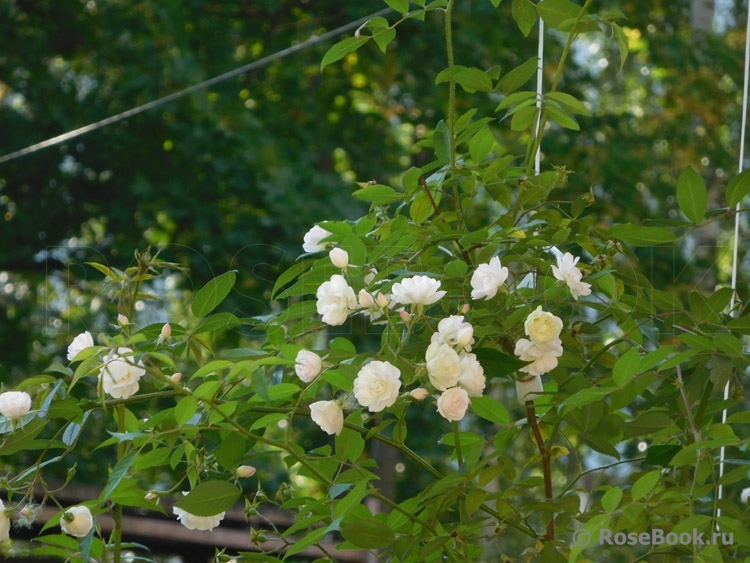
465 308
176 377
382 300
150 496
406 317
26 512
245 471
166 331
123 320
339 257
420 394
365 299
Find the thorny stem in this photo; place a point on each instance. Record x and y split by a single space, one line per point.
546 466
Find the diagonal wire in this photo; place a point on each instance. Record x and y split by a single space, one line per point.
735 249
189 90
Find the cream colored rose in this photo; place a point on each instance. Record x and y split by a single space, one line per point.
313 237
307 365
120 374
567 271
377 385
77 521
528 388
542 327
472 375
80 343
443 366
417 290
335 300
14 404
193 522
328 415
453 331
543 356
487 279
452 404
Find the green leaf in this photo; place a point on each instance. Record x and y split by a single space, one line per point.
524 118
520 75
185 409
368 533
611 499
441 142
692 196
556 12
378 194
219 321
740 324
352 499
569 102
209 498
473 80
342 49
117 475
562 118
622 43
231 450
642 236
645 484
626 367
661 454
401 6
481 144
490 409
421 208
525 15
738 187
213 293
496 363
383 37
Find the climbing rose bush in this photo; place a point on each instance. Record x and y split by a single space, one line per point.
459 405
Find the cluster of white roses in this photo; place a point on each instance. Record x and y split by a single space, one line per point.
451 367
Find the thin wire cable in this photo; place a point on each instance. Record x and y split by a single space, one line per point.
736 245
189 90
539 84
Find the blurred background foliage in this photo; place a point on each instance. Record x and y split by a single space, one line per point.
232 176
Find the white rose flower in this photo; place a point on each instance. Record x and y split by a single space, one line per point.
77 521
528 388
472 375
120 375
335 300
417 290
745 495
443 366
80 342
543 356
339 258
567 272
14 404
4 523
328 415
487 279
313 237
542 327
453 331
193 522
452 404
307 365
377 384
